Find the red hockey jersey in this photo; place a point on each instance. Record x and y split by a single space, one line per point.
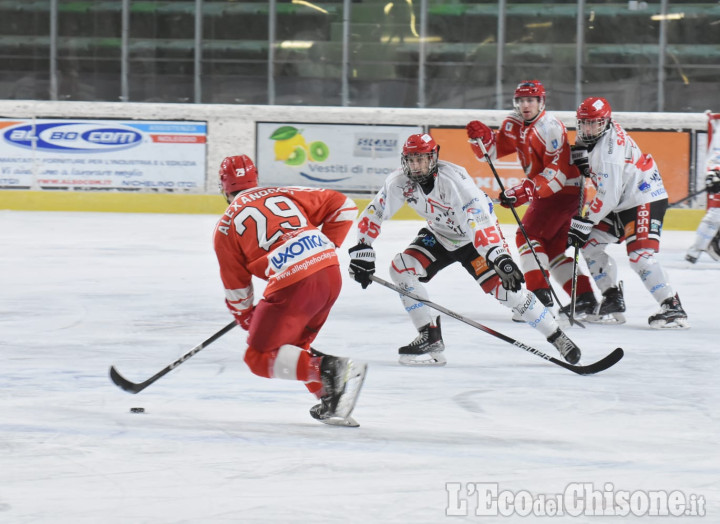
543 150
280 235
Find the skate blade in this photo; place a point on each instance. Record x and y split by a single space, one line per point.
432 359
354 379
678 323
348 422
610 318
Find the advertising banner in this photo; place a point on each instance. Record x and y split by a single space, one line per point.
129 155
350 158
670 149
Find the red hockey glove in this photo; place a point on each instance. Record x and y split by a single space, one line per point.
476 130
518 195
244 318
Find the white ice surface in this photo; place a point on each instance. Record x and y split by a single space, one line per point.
216 444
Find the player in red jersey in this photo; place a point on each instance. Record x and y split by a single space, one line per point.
287 236
552 188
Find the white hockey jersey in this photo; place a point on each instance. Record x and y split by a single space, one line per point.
456 210
624 176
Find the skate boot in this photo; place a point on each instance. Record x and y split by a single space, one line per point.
342 380
427 348
612 307
585 304
692 258
670 316
543 296
566 347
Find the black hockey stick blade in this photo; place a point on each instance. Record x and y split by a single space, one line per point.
137 387
590 369
601 365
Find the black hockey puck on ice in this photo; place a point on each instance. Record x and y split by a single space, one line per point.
137 410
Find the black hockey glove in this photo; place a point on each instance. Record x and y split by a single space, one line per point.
579 158
712 181
362 263
579 233
500 260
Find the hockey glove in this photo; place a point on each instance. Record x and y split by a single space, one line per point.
579 158
579 233
244 318
712 181
500 260
518 195
476 130
362 263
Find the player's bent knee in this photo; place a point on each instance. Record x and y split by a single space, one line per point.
406 268
259 362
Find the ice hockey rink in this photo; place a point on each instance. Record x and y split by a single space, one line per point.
216 444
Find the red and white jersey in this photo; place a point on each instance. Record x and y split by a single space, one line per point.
625 177
543 150
278 234
456 210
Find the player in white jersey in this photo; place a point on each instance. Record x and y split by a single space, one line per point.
629 206
461 227
707 236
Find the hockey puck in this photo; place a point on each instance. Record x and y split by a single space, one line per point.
137 410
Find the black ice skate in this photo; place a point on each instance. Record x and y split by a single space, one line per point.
342 380
427 348
566 347
612 307
585 304
670 316
692 257
543 295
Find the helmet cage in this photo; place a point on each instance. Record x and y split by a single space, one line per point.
420 178
590 130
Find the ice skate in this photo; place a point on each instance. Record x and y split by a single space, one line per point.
670 316
566 347
426 350
693 255
585 304
543 296
612 307
342 380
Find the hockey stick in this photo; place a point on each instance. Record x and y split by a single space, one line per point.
591 369
134 387
525 235
693 195
576 256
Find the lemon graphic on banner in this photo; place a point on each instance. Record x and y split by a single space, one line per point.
292 149
290 145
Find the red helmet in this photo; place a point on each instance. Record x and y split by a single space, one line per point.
237 173
593 119
529 88
420 144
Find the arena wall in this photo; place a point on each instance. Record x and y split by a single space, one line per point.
231 130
